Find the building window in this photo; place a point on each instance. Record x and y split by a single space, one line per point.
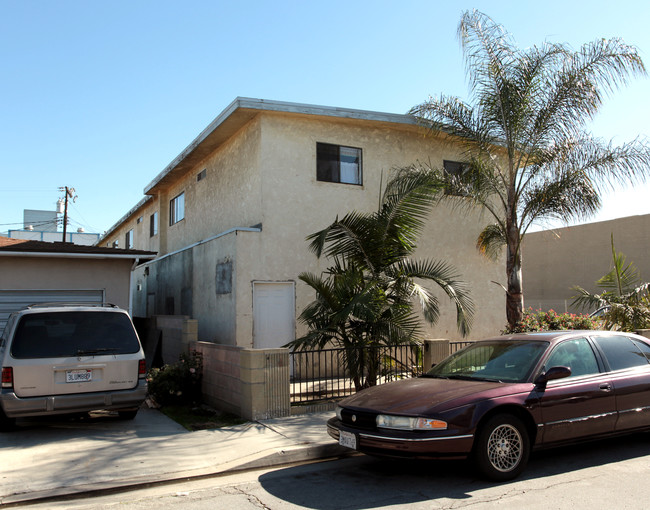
177 209
454 169
335 163
139 220
128 244
201 175
153 224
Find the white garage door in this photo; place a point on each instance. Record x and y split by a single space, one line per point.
12 300
274 317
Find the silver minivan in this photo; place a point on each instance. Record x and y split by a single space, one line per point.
59 359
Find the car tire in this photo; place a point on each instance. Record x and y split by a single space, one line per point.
127 414
6 424
502 448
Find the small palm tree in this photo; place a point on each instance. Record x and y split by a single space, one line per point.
529 157
625 299
366 298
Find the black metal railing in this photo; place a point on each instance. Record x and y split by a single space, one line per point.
457 346
323 375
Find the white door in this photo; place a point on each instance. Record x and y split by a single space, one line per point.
274 315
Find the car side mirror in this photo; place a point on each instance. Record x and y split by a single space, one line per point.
553 373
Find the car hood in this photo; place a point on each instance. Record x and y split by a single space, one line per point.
425 395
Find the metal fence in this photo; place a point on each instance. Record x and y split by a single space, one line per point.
457 346
322 375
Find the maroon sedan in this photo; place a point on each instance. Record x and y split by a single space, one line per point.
498 399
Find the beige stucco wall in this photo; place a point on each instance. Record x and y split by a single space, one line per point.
139 222
229 196
266 174
53 273
554 261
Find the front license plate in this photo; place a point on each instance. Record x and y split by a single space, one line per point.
348 439
73 376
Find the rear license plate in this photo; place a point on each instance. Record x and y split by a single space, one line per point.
348 439
73 376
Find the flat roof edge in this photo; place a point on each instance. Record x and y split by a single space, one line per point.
247 103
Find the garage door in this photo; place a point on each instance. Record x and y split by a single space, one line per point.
12 300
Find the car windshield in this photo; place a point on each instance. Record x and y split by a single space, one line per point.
66 334
498 360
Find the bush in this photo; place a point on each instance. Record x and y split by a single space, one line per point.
551 321
179 383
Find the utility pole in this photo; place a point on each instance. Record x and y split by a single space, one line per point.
69 193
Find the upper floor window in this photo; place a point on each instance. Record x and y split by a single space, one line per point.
201 175
139 220
454 169
335 163
177 209
153 224
128 244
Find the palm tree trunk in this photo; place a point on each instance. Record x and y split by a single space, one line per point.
514 295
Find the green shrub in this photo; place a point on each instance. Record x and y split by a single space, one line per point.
538 320
179 383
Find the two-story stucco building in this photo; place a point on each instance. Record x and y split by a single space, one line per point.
229 217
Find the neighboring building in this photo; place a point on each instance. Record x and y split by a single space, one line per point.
229 217
43 226
80 237
36 272
556 260
43 221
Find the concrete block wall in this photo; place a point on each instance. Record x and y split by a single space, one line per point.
252 383
435 350
178 331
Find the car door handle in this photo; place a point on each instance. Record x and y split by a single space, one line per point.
606 387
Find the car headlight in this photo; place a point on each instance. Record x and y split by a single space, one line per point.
387 421
338 412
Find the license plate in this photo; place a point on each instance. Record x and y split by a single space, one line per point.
348 439
73 376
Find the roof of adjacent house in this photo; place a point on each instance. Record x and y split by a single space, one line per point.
25 247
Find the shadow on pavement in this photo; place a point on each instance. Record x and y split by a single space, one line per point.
372 482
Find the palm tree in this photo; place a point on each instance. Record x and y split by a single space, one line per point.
625 300
529 157
365 299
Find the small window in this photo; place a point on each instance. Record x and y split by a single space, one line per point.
177 209
128 243
454 169
201 175
620 352
335 163
116 244
139 220
153 224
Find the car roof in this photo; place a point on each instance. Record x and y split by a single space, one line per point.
69 307
556 336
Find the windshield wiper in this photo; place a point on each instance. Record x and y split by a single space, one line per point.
434 376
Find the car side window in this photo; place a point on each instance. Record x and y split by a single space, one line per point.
644 347
576 354
620 352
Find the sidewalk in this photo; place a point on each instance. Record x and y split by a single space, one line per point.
45 459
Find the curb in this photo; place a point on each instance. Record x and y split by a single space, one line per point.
277 457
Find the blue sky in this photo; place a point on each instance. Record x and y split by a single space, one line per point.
101 96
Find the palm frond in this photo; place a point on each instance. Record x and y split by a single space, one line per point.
491 241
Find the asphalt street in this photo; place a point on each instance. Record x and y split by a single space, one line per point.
608 474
